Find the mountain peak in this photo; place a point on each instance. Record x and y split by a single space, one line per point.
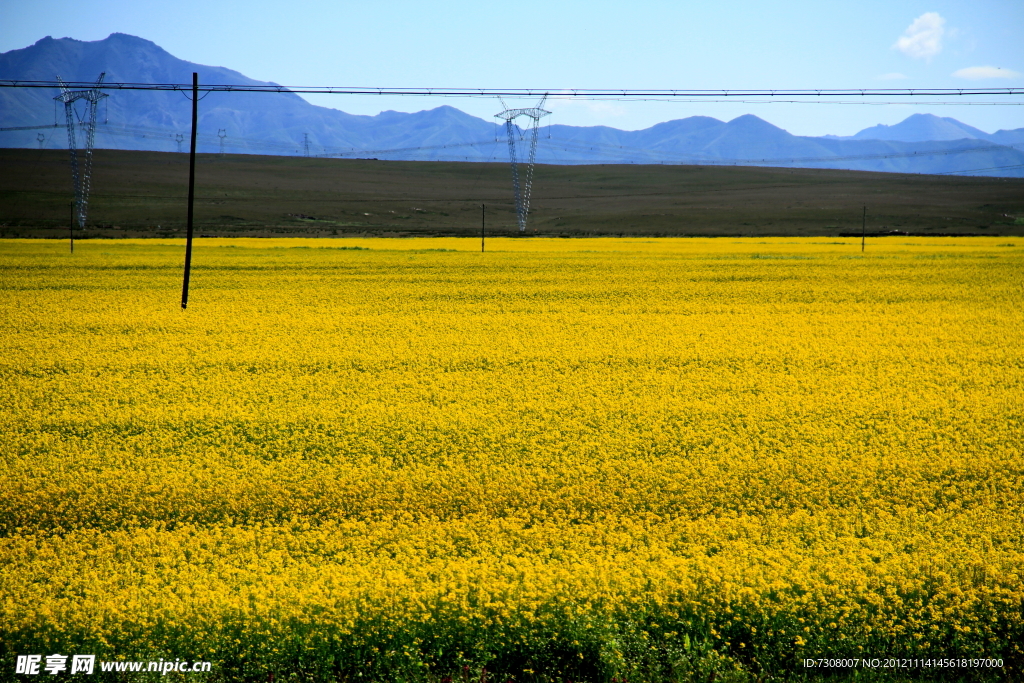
751 121
128 38
748 124
923 128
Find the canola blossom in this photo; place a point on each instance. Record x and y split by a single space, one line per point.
578 459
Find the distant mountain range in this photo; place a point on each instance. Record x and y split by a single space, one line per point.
926 127
284 123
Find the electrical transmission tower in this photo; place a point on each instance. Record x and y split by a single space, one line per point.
305 142
521 191
41 139
179 138
81 178
222 133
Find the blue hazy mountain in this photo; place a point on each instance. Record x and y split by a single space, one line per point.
928 127
922 128
284 123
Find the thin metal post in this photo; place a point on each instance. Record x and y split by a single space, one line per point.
863 227
71 229
483 219
191 190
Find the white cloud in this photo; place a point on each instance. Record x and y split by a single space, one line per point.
977 73
923 38
891 77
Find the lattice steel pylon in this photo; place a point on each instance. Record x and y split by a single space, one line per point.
522 191
81 177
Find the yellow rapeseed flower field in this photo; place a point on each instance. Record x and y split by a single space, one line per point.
586 459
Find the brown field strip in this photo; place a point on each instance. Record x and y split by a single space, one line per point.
137 194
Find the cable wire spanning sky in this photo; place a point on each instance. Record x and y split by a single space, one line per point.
594 44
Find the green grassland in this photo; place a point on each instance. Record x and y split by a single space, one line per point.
143 194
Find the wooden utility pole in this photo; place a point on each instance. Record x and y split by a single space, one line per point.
191 190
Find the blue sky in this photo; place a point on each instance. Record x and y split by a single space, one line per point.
560 45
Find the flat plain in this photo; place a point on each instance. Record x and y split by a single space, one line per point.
142 194
593 459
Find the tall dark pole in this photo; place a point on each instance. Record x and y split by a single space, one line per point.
71 230
863 227
483 219
191 190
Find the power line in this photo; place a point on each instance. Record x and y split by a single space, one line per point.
603 150
400 150
631 152
578 93
10 128
975 170
861 102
